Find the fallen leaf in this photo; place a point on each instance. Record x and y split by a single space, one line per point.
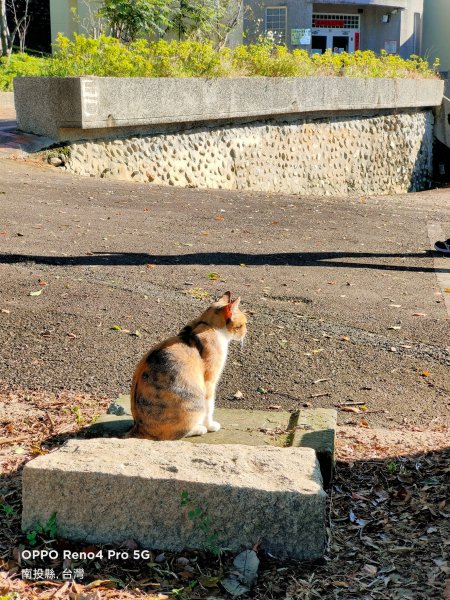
370 570
274 407
150 266
219 218
364 423
425 374
238 395
214 276
71 335
247 564
6 311
38 293
209 582
117 328
233 586
419 314
352 409
101 583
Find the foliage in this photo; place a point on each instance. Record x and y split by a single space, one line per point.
40 532
130 18
195 17
108 57
7 510
201 521
20 65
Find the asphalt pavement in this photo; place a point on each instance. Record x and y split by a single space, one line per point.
347 302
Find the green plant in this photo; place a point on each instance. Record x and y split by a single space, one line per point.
78 416
128 19
20 65
109 57
392 466
41 532
201 521
8 510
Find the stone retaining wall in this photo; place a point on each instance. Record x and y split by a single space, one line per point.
379 154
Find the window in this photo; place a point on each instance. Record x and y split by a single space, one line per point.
276 18
336 21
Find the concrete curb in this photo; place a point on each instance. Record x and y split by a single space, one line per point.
109 490
75 108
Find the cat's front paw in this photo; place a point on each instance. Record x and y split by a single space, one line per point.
213 426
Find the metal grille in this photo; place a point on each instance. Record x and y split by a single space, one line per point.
335 21
276 23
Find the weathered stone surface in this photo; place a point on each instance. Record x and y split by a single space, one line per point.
354 155
108 490
69 107
307 428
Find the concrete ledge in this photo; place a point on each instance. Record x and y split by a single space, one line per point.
109 490
68 108
307 428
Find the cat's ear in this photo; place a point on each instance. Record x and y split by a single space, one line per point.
225 299
235 304
231 308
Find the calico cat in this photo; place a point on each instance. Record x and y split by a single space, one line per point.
174 385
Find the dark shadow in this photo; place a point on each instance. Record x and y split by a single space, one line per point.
288 259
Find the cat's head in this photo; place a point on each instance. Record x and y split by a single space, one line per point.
225 314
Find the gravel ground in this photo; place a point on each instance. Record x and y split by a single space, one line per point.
346 301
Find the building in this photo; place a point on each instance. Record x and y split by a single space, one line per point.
73 16
436 33
341 26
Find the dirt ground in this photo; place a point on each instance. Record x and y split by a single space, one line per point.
348 308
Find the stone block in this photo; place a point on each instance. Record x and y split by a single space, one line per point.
109 490
307 428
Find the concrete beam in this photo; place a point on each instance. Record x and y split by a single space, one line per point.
109 490
78 108
308 428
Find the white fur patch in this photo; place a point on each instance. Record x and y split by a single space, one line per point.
224 338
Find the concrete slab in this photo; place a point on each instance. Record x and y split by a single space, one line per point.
307 428
71 108
109 490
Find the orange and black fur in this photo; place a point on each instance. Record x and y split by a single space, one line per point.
174 385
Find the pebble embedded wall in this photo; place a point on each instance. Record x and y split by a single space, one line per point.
383 154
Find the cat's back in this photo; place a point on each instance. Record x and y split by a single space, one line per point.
168 390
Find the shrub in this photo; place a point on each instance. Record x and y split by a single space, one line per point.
108 57
19 65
